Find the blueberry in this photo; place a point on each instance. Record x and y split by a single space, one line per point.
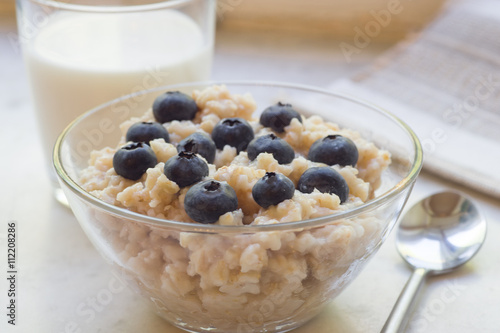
270 143
185 169
206 201
326 180
334 149
174 105
278 116
132 160
147 131
199 143
235 132
272 189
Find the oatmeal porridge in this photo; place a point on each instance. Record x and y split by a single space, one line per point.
217 162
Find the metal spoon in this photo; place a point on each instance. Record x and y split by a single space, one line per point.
438 234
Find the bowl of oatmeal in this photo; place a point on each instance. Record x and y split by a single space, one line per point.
237 206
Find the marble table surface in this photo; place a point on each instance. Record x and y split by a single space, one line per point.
59 271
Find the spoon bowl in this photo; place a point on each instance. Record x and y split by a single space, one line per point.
437 235
441 232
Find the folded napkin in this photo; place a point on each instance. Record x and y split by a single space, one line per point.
445 84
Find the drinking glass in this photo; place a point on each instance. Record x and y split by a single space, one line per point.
80 54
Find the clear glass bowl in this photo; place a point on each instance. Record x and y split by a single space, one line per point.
197 276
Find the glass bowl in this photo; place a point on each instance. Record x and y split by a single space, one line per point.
261 278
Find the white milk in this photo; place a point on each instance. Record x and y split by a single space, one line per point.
80 61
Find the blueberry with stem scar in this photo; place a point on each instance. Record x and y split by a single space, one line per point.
185 169
235 132
272 189
278 116
325 180
132 160
334 149
174 105
270 143
208 200
147 131
199 143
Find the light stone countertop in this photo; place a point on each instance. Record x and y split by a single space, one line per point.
60 272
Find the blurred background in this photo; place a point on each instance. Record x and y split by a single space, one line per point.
331 17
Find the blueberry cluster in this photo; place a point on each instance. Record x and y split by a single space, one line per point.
274 187
132 160
207 200
331 150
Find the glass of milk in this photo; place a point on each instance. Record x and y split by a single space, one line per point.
80 53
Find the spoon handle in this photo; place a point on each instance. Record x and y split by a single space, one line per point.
398 318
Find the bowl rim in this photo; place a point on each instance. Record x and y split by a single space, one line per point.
403 184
